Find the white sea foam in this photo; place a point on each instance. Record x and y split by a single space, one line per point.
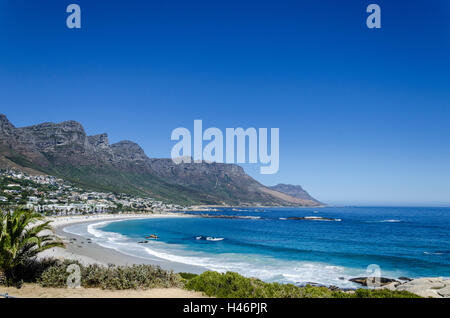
319 218
385 221
250 265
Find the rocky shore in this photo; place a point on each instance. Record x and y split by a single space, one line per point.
434 287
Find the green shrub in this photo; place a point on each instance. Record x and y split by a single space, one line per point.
233 285
30 270
187 275
55 276
111 277
384 293
53 273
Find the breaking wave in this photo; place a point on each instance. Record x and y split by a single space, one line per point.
251 265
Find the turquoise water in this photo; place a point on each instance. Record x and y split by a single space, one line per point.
413 242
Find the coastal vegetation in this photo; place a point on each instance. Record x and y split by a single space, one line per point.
22 237
233 285
51 273
110 277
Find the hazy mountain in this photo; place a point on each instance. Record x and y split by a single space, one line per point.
296 191
66 151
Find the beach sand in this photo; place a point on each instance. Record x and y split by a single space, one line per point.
35 291
78 248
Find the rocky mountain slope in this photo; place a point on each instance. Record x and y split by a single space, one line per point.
295 191
64 150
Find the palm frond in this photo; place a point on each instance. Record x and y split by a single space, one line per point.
21 238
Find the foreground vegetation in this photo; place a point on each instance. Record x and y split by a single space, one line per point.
57 274
111 277
21 239
233 285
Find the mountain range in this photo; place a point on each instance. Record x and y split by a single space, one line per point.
65 150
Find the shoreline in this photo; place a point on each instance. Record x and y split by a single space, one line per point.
36 291
87 252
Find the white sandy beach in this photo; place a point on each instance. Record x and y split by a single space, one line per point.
87 252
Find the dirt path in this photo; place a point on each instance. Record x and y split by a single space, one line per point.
35 291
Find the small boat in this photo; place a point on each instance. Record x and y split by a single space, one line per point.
209 238
152 236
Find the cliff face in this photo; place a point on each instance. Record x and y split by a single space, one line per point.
18 144
65 150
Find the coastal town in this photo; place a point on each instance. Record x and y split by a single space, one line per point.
53 196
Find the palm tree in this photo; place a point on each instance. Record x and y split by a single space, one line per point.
21 239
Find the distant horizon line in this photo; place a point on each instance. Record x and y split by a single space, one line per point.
391 205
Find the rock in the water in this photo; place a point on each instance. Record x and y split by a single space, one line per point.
390 286
363 280
295 191
445 292
435 287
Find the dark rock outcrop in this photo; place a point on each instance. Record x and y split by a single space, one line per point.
128 151
363 280
100 141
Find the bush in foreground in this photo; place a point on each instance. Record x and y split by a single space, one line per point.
111 277
383 293
53 273
233 285
22 237
187 276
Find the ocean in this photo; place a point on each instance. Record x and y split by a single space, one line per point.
325 245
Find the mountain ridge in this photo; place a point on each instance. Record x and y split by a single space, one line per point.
65 150
294 190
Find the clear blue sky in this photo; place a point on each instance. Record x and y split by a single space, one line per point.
363 114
